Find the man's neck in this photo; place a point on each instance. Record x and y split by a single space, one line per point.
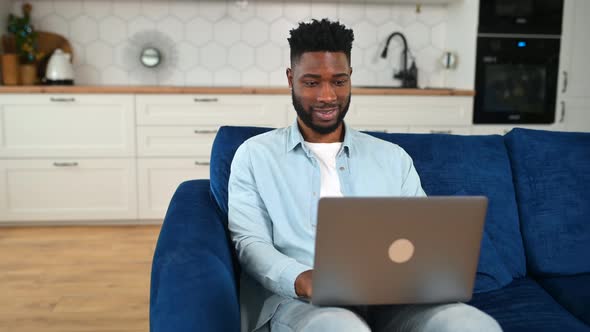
309 135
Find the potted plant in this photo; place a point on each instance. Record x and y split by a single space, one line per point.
26 44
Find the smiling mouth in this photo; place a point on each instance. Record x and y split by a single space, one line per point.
326 113
325 109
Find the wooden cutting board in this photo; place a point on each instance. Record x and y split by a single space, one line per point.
48 42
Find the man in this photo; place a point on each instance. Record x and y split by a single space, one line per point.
278 177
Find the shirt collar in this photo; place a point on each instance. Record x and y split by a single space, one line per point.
295 138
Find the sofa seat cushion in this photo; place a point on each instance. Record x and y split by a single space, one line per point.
525 306
572 292
552 180
474 165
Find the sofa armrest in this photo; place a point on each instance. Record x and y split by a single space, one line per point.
193 286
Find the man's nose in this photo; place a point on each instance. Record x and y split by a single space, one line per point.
327 94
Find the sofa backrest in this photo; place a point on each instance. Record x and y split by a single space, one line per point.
474 165
447 165
227 141
552 180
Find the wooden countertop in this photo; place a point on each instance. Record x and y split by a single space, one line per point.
219 90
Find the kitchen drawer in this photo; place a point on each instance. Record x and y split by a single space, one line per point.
441 130
174 141
159 178
68 189
400 111
212 111
383 129
44 125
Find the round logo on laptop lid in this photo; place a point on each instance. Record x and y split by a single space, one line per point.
401 251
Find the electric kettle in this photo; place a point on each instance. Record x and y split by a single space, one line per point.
59 69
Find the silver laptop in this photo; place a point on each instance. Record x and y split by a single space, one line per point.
397 250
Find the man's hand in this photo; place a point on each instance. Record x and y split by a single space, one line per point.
303 284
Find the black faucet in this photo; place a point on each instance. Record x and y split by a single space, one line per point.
409 77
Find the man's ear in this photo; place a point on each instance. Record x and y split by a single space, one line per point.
289 73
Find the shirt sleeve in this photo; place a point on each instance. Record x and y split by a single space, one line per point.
251 231
411 185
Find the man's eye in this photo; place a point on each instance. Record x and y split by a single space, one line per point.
310 83
340 83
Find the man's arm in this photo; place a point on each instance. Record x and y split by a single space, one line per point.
252 231
411 185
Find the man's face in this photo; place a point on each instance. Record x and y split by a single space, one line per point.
320 83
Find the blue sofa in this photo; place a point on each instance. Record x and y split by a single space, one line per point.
533 273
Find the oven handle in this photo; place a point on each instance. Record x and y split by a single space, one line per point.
562 116
564 89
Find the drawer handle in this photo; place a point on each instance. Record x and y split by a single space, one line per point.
62 100
72 164
441 132
203 131
202 163
206 100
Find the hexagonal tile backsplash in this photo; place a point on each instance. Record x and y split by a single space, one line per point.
234 43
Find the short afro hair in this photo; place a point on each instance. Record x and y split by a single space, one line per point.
320 36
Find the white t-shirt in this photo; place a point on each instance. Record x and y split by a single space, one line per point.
326 155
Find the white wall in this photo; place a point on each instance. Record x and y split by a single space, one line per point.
462 38
219 43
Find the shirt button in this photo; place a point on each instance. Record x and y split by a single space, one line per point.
342 168
314 193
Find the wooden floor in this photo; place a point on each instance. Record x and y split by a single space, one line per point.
75 278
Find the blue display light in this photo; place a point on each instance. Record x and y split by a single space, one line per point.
521 43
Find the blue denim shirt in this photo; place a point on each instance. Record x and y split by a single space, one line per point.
274 189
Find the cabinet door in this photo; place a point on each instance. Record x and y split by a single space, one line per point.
68 189
213 111
384 112
154 141
577 115
159 178
45 125
441 130
573 107
575 49
504 129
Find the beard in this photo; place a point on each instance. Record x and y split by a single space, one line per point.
306 115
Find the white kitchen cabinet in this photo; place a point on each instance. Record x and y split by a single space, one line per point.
504 129
403 114
409 2
447 130
154 141
423 114
577 115
573 106
159 178
67 157
44 125
67 189
209 112
175 134
119 158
